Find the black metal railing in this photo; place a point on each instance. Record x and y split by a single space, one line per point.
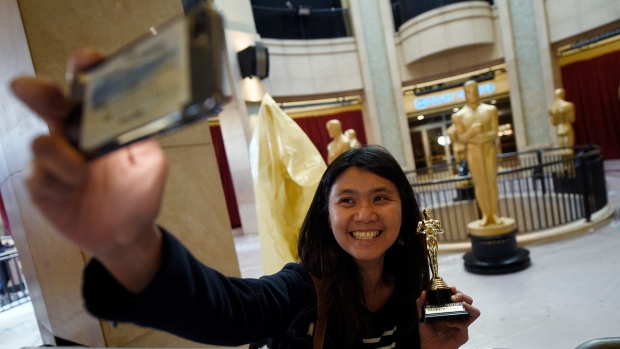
13 290
301 23
540 189
404 10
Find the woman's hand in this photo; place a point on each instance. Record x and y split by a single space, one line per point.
447 334
106 206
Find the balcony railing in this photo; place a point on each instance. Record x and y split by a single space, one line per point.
404 10
13 290
301 23
540 189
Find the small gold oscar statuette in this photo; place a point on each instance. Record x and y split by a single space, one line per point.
438 307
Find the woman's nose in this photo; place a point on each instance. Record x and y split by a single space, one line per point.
366 213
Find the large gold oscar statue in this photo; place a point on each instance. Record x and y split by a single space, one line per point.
476 126
352 136
562 115
493 238
339 143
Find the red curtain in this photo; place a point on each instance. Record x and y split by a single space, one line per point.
227 183
593 86
314 127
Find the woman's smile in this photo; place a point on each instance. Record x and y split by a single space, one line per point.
366 235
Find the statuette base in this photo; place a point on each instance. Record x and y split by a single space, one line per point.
441 308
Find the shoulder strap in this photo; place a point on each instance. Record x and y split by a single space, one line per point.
321 321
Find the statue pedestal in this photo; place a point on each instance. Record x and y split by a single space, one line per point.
507 225
495 249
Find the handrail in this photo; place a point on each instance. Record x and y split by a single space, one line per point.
542 188
408 9
294 11
5 256
593 149
289 24
13 290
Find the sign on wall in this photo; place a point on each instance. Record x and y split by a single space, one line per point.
455 96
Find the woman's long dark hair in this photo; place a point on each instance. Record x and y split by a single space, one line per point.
406 260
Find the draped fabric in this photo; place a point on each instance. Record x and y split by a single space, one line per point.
286 169
314 127
593 86
227 183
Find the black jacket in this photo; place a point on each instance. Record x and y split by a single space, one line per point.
193 301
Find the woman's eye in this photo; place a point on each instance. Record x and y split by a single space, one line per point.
345 201
380 198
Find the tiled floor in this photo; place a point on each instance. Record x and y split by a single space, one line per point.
569 295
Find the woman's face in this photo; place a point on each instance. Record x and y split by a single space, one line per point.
365 214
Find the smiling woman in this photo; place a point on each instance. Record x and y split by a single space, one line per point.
359 239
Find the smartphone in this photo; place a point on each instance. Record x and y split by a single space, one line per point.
165 80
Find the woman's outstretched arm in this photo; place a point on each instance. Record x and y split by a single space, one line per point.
106 206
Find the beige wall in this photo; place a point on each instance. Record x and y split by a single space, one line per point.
450 53
237 15
313 67
37 36
457 26
569 18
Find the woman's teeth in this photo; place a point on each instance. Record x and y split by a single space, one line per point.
365 235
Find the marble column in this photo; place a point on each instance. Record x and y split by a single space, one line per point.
240 33
532 74
384 111
37 38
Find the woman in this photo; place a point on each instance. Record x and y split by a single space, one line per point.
358 239
364 193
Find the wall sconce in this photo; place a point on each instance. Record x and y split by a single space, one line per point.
254 61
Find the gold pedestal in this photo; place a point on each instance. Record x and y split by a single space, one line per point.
506 226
